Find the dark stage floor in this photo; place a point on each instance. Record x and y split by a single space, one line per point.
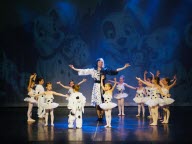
127 129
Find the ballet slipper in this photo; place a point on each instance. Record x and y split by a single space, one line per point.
138 115
153 124
106 126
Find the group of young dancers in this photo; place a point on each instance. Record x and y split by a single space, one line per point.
155 94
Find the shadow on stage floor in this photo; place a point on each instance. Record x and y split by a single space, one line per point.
125 129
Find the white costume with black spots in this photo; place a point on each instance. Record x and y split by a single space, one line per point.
49 104
166 100
154 99
96 92
140 96
121 94
148 93
76 105
31 99
107 105
39 89
96 98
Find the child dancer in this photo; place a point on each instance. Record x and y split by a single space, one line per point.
166 100
49 105
71 84
121 95
140 99
107 105
31 100
153 102
76 105
148 91
40 89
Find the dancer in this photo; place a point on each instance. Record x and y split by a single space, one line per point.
154 101
31 100
140 99
40 89
76 105
167 100
108 105
96 73
148 91
49 105
121 95
71 84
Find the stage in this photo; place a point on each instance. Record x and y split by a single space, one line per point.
125 129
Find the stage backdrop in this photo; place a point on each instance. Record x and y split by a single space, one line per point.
46 36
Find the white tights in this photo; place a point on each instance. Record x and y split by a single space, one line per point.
29 112
121 106
108 117
47 114
141 107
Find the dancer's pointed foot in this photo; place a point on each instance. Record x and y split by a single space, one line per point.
30 120
106 126
123 114
46 125
149 117
119 114
52 124
153 124
138 115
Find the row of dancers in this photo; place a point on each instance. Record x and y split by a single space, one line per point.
154 95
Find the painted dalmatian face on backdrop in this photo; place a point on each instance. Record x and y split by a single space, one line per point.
119 33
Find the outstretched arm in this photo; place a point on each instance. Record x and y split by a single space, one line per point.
115 83
75 69
59 94
173 84
102 78
120 69
131 87
84 80
66 87
157 73
144 82
174 78
145 73
31 78
153 77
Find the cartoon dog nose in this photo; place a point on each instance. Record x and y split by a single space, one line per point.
122 41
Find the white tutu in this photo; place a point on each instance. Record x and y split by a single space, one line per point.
107 106
139 99
166 101
121 95
30 99
152 102
50 105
